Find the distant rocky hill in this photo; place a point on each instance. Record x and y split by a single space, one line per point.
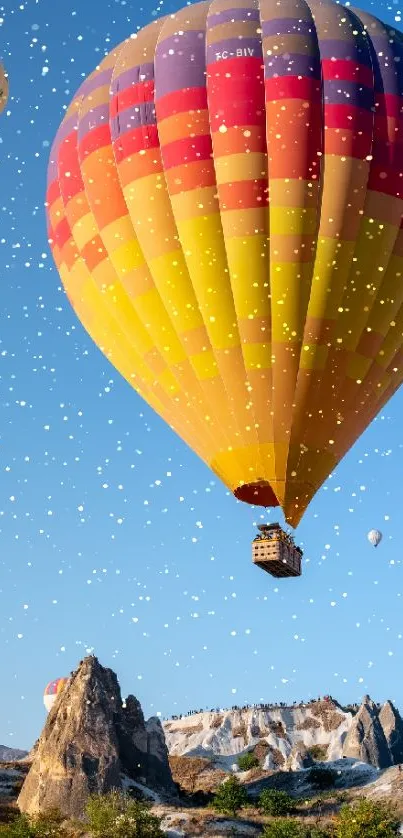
11 754
288 737
93 742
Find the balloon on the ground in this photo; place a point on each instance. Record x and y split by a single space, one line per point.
374 537
224 203
52 690
3 88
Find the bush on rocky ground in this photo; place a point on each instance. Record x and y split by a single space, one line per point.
276 803
291 828
230 797
48 824
367 818
247 761
285 828
116 815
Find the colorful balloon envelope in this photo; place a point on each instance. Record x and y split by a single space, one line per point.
3 88
224 208
52 690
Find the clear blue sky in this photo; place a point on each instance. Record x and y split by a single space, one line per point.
113 535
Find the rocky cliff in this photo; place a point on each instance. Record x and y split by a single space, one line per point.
366 740
287 737
92 742
392 725
275 732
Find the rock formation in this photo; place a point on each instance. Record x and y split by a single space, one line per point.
159 772
149 739
273 732
366 740
392 726
224 735
90 742
299 758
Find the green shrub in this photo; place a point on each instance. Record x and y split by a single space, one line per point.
290 828
116 815
230 797
322 778
247 761
285 828
46 825
320 832
367 818
276 803
17 828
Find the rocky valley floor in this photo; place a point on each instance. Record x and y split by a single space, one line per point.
181 818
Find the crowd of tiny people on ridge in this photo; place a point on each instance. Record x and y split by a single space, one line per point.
281 705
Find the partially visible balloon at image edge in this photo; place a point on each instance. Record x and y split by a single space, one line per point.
3 88
52 690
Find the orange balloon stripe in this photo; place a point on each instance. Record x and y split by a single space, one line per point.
212 386
339 225
154 360
351 373
294 145
120 351
208 387
217 303
235 99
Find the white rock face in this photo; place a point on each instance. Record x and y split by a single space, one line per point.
299 759
228 734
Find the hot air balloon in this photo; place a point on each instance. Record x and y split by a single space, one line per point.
3 88
224 204
53 689
374 537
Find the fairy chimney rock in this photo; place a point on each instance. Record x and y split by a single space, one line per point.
90 742
366 739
